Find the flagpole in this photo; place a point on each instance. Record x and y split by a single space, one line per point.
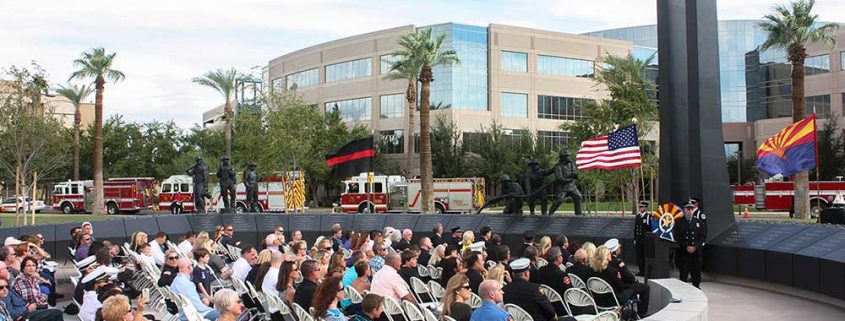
818 163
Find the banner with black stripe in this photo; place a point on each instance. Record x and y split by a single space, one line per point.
352 159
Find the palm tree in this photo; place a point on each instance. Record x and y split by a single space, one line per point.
792 28
76 94
224 81
420 49
96 63
409 70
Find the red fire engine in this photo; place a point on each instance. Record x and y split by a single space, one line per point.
128 195
177 194
778 196
395 194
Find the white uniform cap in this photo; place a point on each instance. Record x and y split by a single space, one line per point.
11 240
612 244
520 265
86 262
102 272
477 246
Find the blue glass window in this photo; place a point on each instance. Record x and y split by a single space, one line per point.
817 104
842 60
552 139
564 108
514 105
514 61
392 106
303 79
385 61
567 67
277 85
392 141
462 85
349 70
353 109
817 65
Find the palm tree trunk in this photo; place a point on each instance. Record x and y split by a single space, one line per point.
97 207
802 184
425 139
411 97
76 123
228 128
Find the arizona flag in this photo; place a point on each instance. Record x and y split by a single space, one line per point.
791 150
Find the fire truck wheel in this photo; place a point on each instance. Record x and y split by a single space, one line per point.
240 208
111 208
365 208
816 208
176 209
438 208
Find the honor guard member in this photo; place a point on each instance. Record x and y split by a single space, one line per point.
527 295
642 225
698 214
457 237
490 292
689 233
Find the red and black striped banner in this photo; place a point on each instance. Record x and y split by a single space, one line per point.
352 159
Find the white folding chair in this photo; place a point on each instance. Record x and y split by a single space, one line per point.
606 316
301 314
600 287
518 313
429 316
392 308
437 290
577 282
276 305
414 313
541 262
420 288
423 271
353 295
474 301
579 298
553 297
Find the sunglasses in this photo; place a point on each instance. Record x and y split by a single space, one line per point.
4 287
466 286
86 240
327 248
229 230
172 257
341 289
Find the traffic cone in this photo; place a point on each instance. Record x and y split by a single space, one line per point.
746 214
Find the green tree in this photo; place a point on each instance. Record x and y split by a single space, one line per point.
630 100
792 28
28 140
251 131
420 48
76 94
97 64
831 147
224 82
448 155
408 70
742 170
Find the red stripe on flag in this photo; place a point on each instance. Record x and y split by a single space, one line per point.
350 157
594 154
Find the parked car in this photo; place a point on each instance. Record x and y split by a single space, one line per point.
9 205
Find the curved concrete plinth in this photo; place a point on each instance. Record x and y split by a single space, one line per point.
693 305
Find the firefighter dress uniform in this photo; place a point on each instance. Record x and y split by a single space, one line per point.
689 232
642 226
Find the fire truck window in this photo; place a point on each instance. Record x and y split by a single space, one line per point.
74 189
184 188
58 191
165 188
352 188
377 188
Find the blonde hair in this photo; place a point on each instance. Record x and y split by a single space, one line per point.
136 240
468 239
115 308
544 245
201 238
263 257
598 261
590 248
497 272
456 282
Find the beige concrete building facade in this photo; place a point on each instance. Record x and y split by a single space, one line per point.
62 109
520 78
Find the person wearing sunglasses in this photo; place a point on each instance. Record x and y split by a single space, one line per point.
170 269
228 305
17 308
455 298
325 300
83 246
183 285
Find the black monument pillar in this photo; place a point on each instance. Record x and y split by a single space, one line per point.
692 153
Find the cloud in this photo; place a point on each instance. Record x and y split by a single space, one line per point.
162 44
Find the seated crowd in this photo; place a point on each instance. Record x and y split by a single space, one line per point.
346 275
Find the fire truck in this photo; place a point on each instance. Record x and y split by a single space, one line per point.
127 195
778 196
177 195
384 194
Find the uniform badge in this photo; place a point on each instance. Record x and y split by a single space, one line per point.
618 275
703 217
566 280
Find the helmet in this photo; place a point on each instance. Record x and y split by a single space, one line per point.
197 158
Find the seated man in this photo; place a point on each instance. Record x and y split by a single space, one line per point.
310 277
628 279
371 308
527 295
554 277
580 268
183 285
387 282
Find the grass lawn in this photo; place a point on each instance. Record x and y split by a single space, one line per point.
8 219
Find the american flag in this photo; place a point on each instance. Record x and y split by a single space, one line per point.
618 149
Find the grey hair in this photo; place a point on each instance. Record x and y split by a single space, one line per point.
224 299
553 253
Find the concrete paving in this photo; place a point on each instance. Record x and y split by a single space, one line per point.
728 302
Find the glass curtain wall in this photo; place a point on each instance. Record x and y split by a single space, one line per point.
464 85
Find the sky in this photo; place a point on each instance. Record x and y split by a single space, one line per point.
162 45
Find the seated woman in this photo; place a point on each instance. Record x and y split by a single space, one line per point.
326 298
229 305
27 284
455 298
287 275
599 263
117 308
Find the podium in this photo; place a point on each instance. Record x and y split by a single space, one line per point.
657 262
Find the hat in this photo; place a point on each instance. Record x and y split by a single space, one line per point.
11 240
456 229
689 204
520 265
644 204
86 223
612 245
529 234
101 273
86 263
477 246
